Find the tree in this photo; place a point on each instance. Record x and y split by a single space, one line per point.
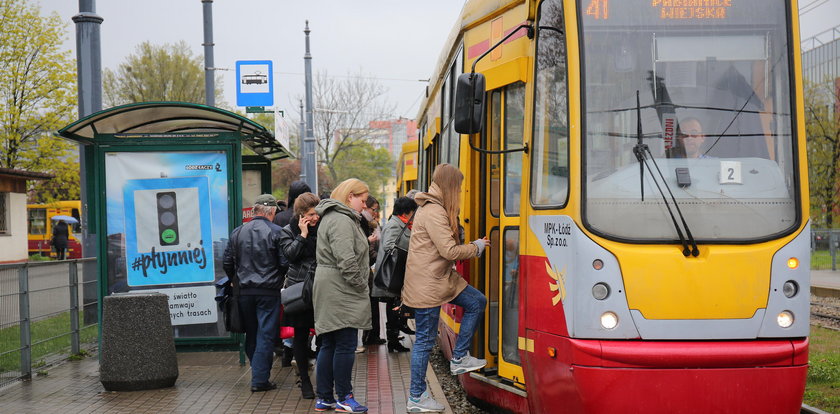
823 131
37 88
372 165
158 73
65 185
342 115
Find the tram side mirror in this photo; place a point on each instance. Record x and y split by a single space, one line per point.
469 103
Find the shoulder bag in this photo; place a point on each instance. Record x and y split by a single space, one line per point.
297 298
390 274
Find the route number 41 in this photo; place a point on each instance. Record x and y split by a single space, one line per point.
598 9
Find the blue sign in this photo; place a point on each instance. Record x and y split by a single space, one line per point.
168 237
254 83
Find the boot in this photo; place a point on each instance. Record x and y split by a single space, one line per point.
397 347
287 357
306 391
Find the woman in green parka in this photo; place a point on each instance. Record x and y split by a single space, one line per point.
341 296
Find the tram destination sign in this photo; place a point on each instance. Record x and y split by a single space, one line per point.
675 11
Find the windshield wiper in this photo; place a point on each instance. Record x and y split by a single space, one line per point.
642 151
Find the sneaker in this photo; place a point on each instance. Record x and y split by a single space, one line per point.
423 404
466 364
349 405
324 405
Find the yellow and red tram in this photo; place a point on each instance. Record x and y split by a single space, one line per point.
639 167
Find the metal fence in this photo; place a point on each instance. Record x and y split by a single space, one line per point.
825 247
47 311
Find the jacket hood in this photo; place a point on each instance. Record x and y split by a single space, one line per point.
328 204
434 195
297 188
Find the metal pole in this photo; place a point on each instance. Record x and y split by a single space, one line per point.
209 85
25 333
88 58
74 307
300 141
89 73
309 156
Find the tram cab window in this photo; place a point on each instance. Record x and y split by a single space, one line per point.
649 68
37 221
550 160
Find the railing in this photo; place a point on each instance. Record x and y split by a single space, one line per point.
825 246
47 311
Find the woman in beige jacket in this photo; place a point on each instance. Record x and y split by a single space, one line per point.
431 280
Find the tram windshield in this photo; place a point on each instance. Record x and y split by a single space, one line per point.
714 107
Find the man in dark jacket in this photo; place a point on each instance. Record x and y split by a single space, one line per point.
253 257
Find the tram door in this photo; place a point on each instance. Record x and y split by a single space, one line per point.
503 181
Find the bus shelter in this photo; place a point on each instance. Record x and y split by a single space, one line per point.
166 183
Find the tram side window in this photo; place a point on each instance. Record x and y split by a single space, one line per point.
38 221
514 130
494 134
550 162
510 295
77 226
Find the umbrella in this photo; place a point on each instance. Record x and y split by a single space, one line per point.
68 219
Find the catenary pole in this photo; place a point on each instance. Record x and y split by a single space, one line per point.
89 75
309 156
209 86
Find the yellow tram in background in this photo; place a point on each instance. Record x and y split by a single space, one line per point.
639 166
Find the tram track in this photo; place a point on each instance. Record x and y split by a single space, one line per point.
825 312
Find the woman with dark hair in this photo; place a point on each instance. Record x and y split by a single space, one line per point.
298 242
404 207
370 225
61 233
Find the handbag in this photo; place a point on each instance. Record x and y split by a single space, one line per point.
230 304
297 298
390 274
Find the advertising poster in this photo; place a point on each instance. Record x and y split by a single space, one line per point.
167 224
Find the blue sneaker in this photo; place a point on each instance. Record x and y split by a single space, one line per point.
324 405
349 405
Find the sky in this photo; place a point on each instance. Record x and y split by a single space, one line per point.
396 41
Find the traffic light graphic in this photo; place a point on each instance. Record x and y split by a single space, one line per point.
167 214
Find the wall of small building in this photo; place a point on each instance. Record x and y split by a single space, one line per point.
14 246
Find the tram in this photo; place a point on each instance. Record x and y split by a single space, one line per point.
40 225
407 168
639 166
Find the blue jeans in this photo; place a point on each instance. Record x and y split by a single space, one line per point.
335 363
261 316
426 319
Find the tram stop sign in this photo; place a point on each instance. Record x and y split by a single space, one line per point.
254 83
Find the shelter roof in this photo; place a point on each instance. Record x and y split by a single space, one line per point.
172 120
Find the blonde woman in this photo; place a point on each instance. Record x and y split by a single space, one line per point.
341 296
431 281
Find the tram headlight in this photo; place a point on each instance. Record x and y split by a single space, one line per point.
790 289
600 291
785 319
609 320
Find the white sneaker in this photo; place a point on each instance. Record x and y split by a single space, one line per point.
424 404
466 364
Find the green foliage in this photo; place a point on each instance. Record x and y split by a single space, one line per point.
65 185
55 327
37 88
822 128
823 387
362 160
158 73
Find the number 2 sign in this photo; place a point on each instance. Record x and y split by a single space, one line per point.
730 172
